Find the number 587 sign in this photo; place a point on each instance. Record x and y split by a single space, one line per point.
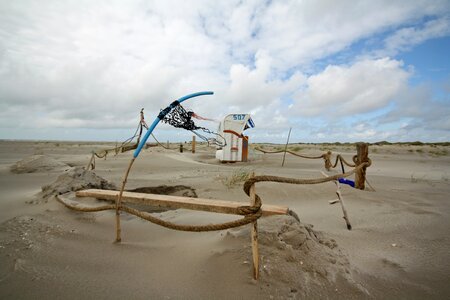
238 117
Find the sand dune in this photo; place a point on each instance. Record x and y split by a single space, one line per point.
398 248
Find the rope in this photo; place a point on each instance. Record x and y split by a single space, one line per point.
195 228
167 148
122 148
340 158
85 209
267 178
325 156
290 152
251 213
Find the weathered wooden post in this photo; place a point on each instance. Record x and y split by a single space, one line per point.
181 148
91 164
193 144
255 251
362 156
327 160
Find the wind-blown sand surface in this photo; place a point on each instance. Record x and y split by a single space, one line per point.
399 246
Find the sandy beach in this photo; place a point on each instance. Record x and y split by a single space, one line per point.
399 247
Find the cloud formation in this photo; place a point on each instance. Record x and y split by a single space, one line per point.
340 91
94 64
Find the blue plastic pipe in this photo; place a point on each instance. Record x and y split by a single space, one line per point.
347 181
162 115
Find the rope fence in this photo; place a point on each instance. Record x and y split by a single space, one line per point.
358 159
251 212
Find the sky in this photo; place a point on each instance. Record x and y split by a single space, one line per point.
333 71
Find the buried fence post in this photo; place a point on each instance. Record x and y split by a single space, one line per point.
91 164
193 144
362 156
341 201
255 252
119 202
327 160
181 148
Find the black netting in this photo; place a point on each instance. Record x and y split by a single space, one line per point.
180 118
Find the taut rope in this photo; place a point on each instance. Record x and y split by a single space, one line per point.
251 213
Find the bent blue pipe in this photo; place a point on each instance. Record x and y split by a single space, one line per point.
347 181
161 116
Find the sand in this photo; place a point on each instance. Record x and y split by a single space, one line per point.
38 164
399 246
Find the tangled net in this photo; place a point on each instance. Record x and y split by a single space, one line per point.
180 118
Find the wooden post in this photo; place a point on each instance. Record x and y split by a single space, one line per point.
327 160
285 148
168 146
362 156
91 163
181 148
119 202
255 252
341 200
193 144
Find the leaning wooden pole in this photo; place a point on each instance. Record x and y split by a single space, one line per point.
255 251
119 202
327 160
341 201
91 164
141 145
285 147
362 156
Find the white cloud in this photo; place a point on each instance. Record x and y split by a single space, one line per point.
407 37
250 88
95 64
313 30
420 107
347 90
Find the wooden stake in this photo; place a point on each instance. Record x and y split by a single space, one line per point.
341 201
119 202
91 162
362 156
285 148
193 144
327 160
255 252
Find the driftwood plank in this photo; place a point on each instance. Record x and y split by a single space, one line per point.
218 206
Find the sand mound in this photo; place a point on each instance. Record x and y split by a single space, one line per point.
22 237
38 163
74 180
298 261
174 190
